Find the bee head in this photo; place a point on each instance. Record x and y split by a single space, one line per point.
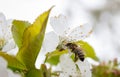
71 45
60 47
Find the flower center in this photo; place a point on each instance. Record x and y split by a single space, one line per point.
2 43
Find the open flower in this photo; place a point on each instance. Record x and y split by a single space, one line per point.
4 71
64 32
69 68
6 41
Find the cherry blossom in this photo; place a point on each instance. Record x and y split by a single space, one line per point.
6 41
65 33
68 67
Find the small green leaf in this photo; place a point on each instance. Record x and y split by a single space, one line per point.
45 72
42 72
53 57
72 57
13 63
32 41
89 51
34 73
18 28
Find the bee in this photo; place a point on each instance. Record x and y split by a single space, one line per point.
74 49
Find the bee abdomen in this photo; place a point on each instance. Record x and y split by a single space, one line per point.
81 55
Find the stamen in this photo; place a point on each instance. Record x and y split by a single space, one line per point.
2 43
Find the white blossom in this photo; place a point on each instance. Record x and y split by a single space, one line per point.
85 68
63 31
6 41
4 71
68 67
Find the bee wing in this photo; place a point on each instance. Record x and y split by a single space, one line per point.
80 32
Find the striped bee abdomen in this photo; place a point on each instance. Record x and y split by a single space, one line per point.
77 50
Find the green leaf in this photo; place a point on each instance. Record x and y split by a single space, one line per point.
18 28
34 73
88 50
42 72
53 57
13 63
32 41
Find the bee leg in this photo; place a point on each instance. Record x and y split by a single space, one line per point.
76 58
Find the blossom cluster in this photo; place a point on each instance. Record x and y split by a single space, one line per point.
63 33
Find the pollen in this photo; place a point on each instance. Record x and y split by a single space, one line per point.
2 42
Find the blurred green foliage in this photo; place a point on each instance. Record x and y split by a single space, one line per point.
104 69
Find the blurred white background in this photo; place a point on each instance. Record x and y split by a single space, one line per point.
104 15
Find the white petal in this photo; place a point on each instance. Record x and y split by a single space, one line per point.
59 24
12 74
2 19
3 70
80 32
2 24
84 68
50 42
9 46
68 67
13 51
3 63
1 34
7 30
40 58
